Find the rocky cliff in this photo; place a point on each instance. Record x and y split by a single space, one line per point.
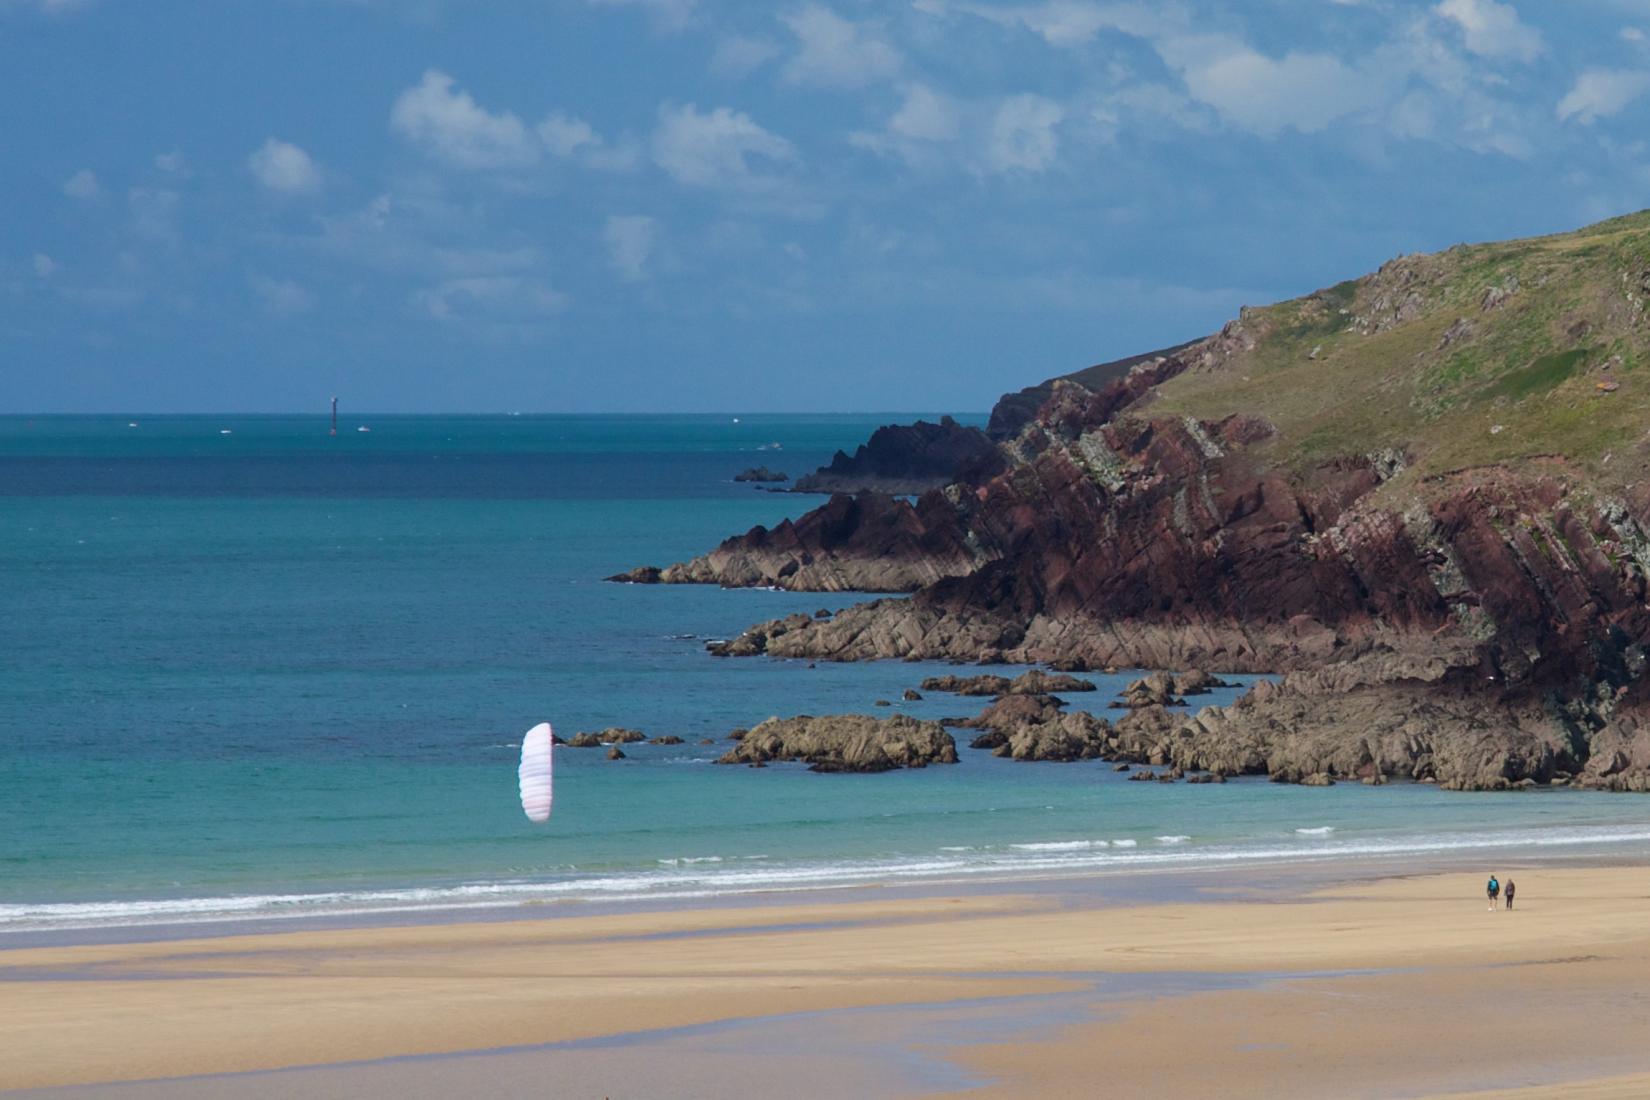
1421 493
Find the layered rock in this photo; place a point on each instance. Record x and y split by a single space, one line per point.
851 743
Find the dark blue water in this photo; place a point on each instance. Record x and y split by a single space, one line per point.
273 671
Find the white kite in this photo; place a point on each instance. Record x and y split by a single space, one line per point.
534 772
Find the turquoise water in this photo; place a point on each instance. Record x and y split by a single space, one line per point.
272 672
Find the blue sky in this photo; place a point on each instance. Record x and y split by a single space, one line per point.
685 205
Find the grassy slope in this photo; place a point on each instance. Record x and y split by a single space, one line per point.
1580 314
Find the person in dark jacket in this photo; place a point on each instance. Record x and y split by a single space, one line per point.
1509 891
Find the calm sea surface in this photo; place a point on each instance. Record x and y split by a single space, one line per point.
270 672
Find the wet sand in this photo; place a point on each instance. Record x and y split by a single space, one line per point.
1403 987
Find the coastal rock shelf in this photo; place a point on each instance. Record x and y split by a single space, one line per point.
1403 492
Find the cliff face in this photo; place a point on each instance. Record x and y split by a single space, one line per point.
1477 623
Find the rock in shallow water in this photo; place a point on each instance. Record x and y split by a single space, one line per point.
846 743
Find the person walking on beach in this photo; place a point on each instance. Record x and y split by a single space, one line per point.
1494 892
1511 886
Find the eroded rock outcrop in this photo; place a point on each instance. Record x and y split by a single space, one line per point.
846 743
909 459
869 543
1157 690
1028 726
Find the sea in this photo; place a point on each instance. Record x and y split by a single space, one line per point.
252 671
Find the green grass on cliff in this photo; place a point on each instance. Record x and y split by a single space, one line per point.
1421 356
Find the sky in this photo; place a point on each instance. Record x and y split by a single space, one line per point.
691 205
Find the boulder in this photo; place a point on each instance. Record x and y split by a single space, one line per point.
667 739
615 753
846 743
911 695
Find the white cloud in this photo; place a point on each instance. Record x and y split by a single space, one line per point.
921 131
1493 29
837 53
50 7
1021 137
450 126
172 163
44 266
280 297
1599 93
283 167
630 239
719 148
564 134
491 297
83 185
739 55
925 115
569 137
1630 34
1302 91
154 213
668 15
1068 23
1073 22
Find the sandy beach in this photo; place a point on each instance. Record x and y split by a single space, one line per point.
1393 988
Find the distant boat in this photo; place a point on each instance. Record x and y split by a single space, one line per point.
133 424
225 431
736 420
363 428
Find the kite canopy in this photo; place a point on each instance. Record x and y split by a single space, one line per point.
534 773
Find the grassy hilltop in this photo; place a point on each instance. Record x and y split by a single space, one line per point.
1478 355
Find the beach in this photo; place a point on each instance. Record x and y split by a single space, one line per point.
1394 987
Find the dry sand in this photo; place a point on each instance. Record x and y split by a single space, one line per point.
1553 998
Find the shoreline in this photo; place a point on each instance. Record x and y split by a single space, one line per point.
1048 978
1172 874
